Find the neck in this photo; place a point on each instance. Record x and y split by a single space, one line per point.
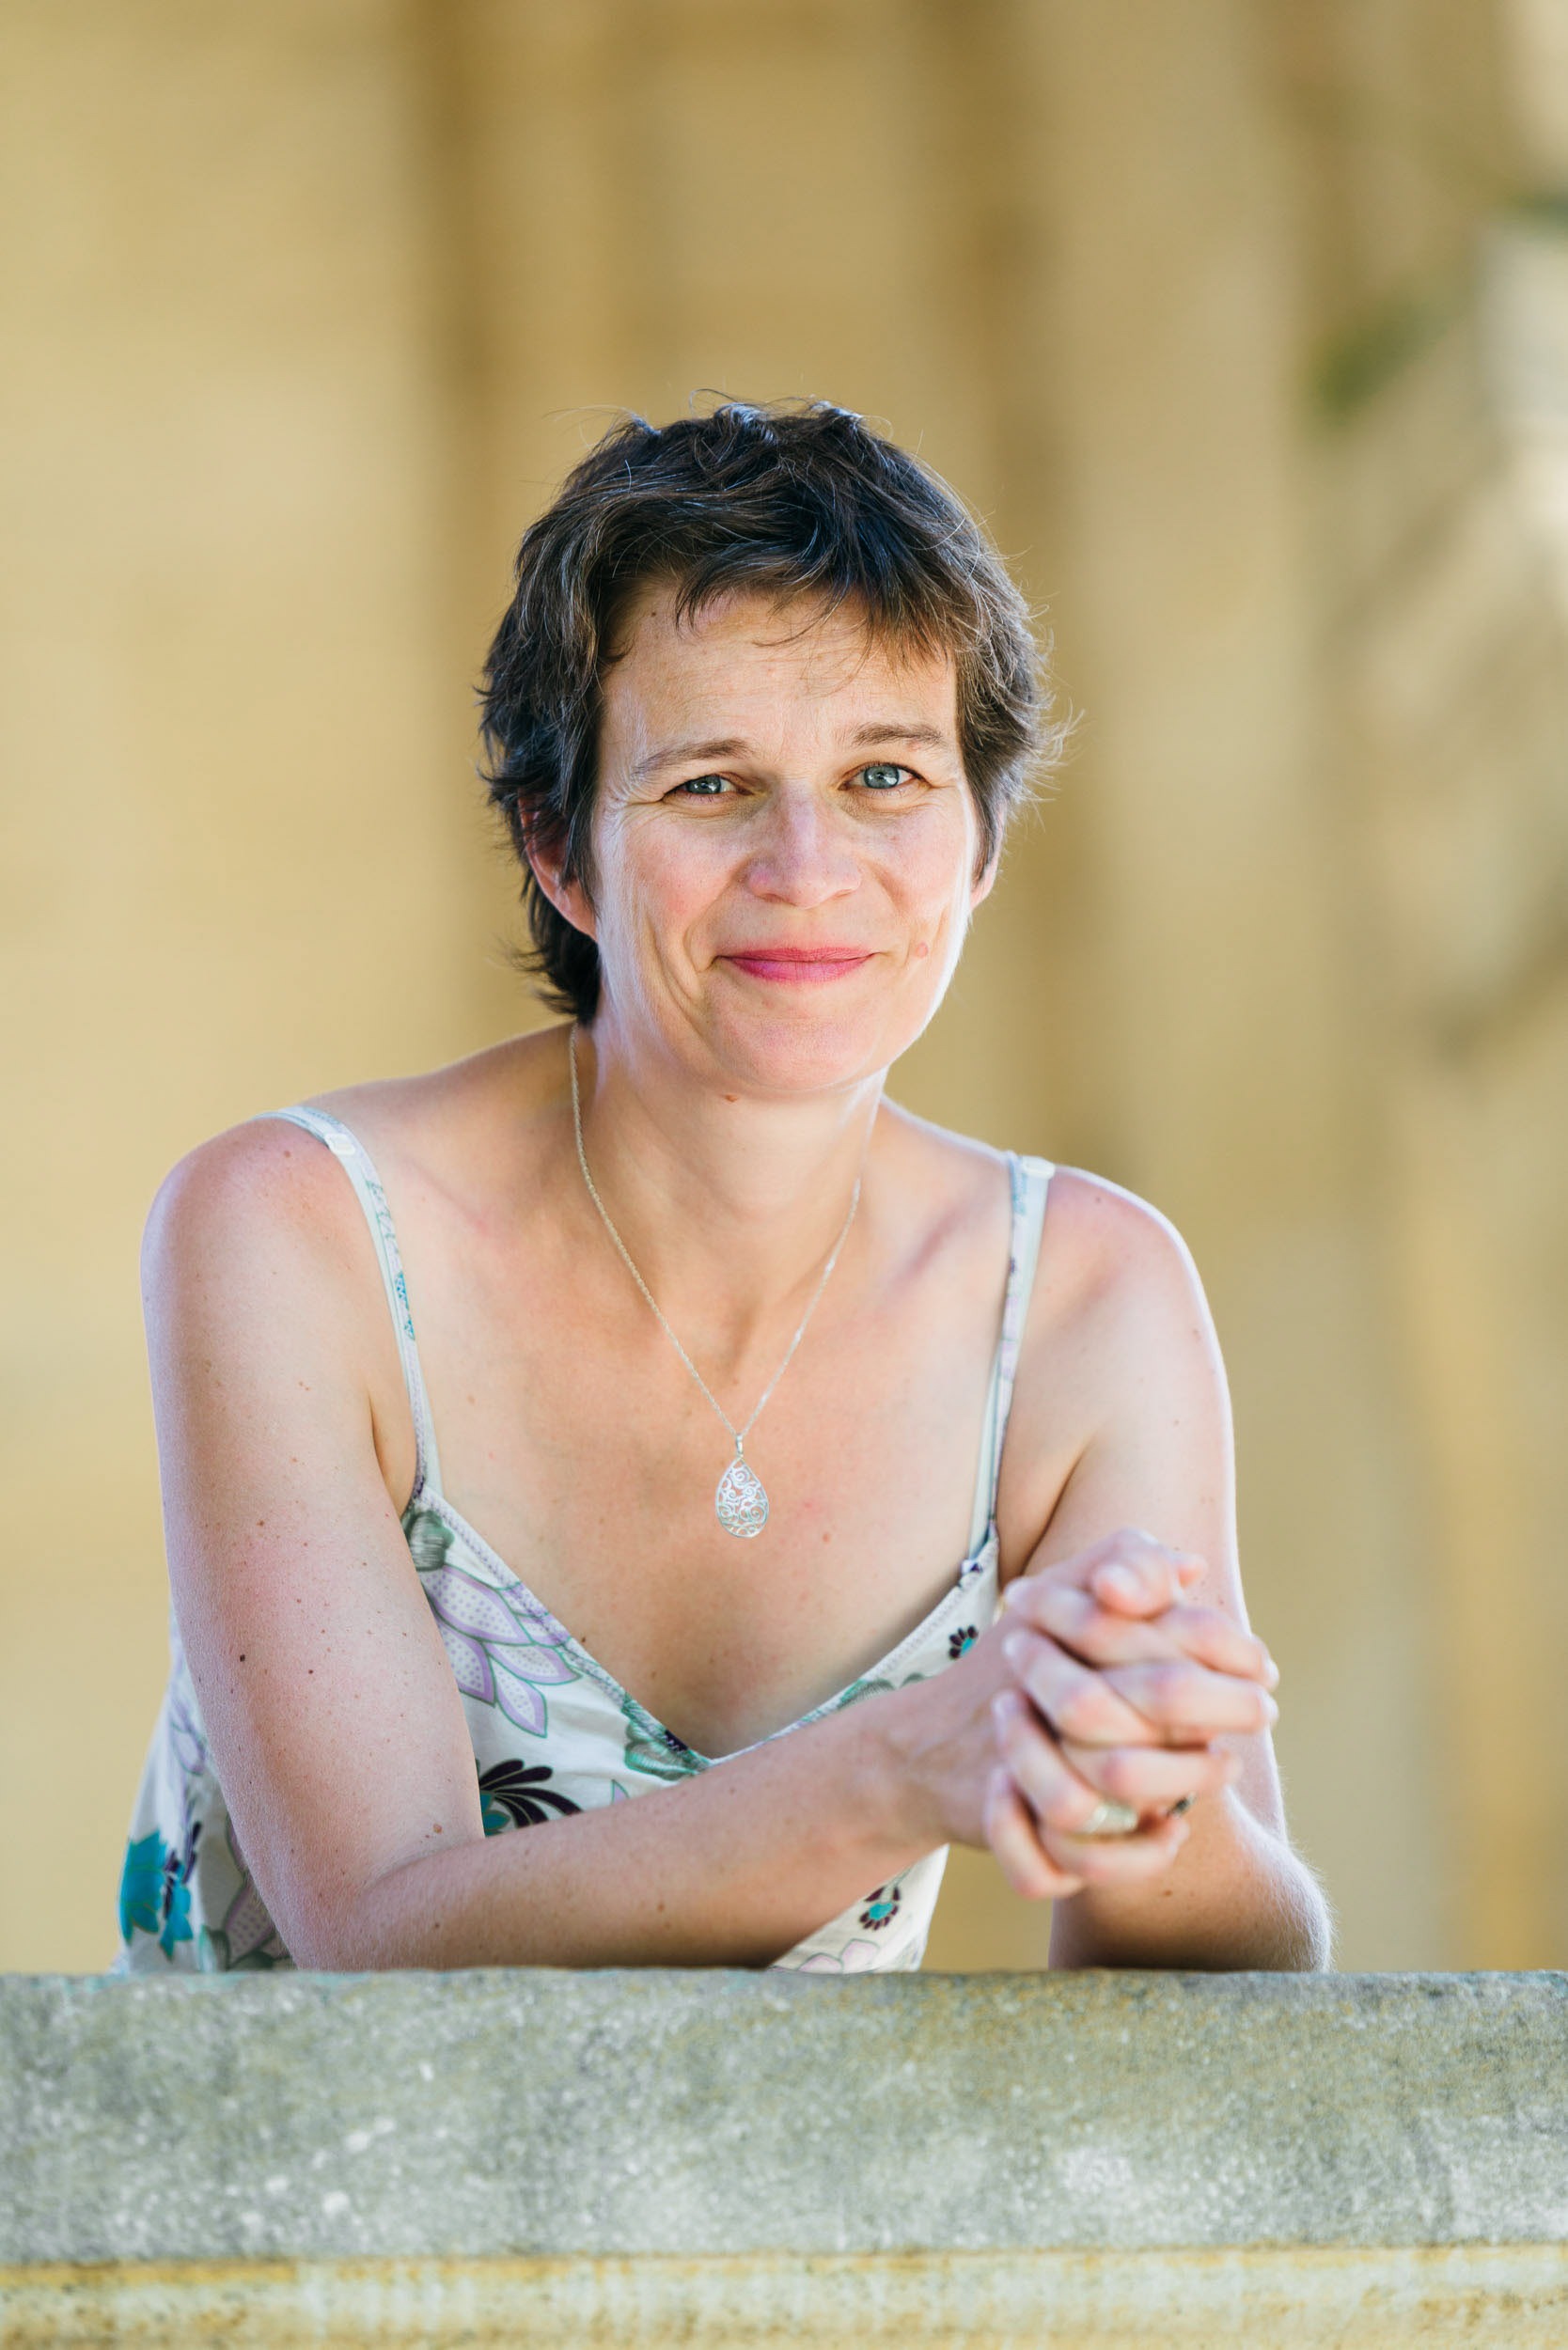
727 1203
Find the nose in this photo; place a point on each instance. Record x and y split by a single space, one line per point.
802 858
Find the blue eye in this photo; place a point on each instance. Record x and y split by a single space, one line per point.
883 777
702 786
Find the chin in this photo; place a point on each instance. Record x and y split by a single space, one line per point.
808 1047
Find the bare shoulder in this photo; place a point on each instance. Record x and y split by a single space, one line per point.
262 1189
1106 1252
1118 1309
961 1184
454 1135
1120 1393
263 1301
268 1181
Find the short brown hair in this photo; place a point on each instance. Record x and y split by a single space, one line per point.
787 501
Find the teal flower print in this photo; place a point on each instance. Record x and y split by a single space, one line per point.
141 1886
155 1890
177 1919
881 1906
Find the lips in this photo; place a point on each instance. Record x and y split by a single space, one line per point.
798 966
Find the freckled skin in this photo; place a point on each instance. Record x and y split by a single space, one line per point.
785 866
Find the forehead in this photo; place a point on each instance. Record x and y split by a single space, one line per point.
744 653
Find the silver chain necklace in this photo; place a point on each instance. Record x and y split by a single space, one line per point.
741 1501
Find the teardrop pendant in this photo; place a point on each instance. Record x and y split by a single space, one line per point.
742 1501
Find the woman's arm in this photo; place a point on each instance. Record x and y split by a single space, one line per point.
337 1729
1157 1452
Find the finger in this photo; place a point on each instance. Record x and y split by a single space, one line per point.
1010 1831
1117 1860
1134 1572
1129 1571
1149 1779
1143 1585
1076 1701
1185 1702
1053 1789
1100 1637
1212 1637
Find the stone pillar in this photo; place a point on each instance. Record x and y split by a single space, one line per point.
238 840
1220 1067
1441 389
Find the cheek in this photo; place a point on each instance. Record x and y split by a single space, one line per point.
659 881
933 876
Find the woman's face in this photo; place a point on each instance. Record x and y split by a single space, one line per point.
784 840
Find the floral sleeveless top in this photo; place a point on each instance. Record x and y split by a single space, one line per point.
552 1733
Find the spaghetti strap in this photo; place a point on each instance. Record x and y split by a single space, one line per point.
357 1164
1031 1183
552 1731
1029 1180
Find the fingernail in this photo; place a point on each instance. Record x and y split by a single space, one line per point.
1272 1711
1016 1592
1121 1580
1271 1671
1015 1648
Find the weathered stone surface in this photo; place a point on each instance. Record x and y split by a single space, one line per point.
1279 2297
536 2113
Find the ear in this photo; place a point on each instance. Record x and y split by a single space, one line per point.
985 884
569 898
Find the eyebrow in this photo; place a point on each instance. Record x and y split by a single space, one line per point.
682 754
735 747
935 738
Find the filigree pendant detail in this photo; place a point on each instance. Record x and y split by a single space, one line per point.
742 1501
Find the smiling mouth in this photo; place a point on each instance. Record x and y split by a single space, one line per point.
798 966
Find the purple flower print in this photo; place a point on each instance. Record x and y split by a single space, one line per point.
503 1648
856 1958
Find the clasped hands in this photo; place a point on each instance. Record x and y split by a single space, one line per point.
1118 1686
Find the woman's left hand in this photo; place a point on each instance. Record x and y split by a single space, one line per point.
1121 1687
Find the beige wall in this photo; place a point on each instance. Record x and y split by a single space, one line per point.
309 309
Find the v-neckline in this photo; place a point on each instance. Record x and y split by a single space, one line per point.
971 1572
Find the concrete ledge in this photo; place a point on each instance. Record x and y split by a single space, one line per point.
1278 2299
709 2158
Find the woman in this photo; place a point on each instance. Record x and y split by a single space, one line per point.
714 1338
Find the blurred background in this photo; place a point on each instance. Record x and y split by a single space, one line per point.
1245 323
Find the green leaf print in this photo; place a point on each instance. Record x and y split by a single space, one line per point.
428 1538
653 1751
872 1687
